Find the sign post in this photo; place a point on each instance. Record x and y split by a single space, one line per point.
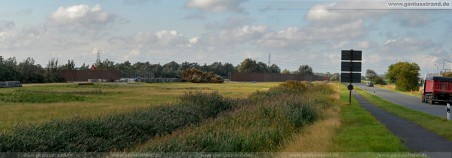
351 69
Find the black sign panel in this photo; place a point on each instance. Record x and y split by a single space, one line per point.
356 77
347 55
351 66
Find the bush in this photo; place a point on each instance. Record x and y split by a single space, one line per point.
196 76
114 132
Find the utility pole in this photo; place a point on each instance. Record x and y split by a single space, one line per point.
444 59
436 67
98 56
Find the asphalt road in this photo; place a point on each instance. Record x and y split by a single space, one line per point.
407 101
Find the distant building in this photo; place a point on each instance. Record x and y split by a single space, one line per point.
272 77
84 75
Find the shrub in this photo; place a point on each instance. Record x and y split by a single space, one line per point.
197 76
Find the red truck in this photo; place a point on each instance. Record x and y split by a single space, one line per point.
437 89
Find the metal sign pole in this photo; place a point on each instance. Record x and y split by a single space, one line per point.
351 78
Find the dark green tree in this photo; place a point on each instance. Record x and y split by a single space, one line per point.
30 73
371 75
8 70
404 75
248 65
274 69
70 65
305 70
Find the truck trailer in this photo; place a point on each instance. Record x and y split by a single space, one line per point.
436 89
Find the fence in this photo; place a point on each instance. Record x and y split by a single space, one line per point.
272 77
8 84
84 75
159 80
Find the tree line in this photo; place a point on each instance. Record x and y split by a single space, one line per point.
28 71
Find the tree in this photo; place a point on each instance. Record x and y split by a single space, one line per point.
274 69
105 65
248 65
285 71
51 74
84 67
69 66
404 75
30 73
8 70
262 67
170 70
305 70
379 80
446 74
371 75
335 77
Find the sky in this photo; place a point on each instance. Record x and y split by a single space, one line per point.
293 32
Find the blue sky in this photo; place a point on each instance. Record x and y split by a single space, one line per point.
295 32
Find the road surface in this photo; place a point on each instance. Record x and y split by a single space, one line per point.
406 101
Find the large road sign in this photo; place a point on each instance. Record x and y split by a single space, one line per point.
351 66
355 77
347 55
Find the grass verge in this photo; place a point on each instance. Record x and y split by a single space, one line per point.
436 124
361 132
392 87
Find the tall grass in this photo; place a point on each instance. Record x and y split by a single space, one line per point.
272 118
114 132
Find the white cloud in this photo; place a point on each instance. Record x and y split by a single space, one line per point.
6 25
298 37
231 37
135 2
81 17
216 5
232 22
408 45
345 11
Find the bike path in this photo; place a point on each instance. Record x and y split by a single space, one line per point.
416 138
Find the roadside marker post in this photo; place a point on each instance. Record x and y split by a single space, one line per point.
448 111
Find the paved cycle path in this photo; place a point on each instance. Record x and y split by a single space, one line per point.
412 135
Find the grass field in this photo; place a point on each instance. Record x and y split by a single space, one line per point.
38 103
163 117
